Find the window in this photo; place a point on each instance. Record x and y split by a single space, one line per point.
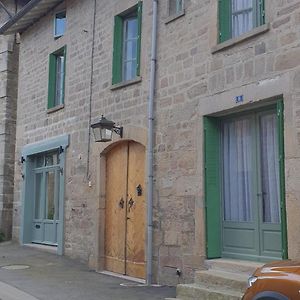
59 24
237 17
127 45
57 66
175 7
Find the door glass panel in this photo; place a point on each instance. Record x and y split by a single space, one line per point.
51 159
238 170
50 195
269 169
40 161
57 186
38 195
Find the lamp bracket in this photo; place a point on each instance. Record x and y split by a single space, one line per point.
118 130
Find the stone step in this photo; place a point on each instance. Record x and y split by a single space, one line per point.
233 265
199 292
216 278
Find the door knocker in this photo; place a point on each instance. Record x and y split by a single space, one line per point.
130 204
121 203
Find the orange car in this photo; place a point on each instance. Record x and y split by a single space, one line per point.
275 281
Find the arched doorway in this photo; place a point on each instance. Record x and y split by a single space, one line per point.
125 215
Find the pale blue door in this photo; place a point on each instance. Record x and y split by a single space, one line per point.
45 222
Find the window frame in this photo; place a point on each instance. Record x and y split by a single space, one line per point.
118 44
124 44
225 18
56 36
52 80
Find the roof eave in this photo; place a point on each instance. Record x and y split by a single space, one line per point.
23 19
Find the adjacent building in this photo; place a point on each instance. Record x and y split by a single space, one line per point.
226 132
8 103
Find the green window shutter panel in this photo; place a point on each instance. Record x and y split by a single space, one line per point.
65 66
51 80
139 15
224 10
262 12
212 187
117 51
280 125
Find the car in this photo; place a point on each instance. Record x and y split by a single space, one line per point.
275 281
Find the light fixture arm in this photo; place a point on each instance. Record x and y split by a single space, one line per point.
118 130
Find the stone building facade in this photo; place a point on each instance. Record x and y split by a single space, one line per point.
229 86
9 51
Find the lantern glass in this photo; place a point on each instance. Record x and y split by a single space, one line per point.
106 134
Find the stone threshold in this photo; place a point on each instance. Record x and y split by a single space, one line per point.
46 248
125 277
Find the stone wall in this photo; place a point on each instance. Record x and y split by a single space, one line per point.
192 82
8 96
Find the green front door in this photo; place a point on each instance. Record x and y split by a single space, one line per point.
46 178
250 187
245 214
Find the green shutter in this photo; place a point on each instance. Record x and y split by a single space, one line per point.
280 124
261 12
65 58
224 20
117 51
139 16
212 187
51 80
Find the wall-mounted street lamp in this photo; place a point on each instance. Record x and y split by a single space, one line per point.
104 129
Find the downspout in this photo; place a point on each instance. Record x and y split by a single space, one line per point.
150 144
91 92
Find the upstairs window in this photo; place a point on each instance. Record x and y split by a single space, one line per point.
59 24
127 45
56 85
237 17
175 7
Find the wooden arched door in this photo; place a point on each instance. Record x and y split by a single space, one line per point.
125 210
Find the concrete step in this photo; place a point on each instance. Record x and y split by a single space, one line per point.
233 265
216 278
199 292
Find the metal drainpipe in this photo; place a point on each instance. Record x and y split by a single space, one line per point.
150 144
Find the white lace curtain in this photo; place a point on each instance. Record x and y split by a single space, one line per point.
270 169
242 16
237 170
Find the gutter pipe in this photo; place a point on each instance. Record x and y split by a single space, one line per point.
150 144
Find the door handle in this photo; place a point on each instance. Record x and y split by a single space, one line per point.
121 203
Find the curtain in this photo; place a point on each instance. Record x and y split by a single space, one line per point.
242 16
237 152
270 169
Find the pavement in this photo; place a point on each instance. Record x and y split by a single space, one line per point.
31 274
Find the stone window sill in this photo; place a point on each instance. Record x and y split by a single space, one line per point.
56 108
126 83
174 17
232 42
